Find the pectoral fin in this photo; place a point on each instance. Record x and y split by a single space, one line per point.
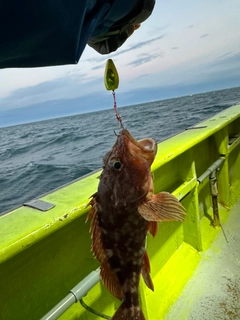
162 207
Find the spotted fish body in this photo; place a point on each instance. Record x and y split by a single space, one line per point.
123 210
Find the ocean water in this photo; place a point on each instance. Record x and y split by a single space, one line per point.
38 157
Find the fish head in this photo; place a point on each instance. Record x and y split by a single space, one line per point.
126 173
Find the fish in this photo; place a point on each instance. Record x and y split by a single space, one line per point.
123 210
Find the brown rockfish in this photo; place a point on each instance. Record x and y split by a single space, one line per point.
123 210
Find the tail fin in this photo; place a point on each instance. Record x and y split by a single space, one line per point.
126 313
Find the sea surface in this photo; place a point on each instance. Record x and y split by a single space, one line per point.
38 157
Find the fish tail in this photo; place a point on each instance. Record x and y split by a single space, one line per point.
128 313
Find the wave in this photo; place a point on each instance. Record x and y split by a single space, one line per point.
37 158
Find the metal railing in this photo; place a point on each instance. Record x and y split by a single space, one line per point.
76 293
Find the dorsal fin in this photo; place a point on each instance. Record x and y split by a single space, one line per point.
108 276
110 280
97 245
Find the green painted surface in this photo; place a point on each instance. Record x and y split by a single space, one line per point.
25 226
170 280
213 291
45 254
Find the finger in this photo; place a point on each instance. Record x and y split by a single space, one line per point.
132 28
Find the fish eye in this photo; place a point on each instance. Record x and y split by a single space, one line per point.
117 165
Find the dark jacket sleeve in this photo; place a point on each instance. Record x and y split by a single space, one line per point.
36 33
46 32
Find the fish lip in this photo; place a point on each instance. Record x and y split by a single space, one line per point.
148 145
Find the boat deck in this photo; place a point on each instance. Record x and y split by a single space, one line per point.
213 292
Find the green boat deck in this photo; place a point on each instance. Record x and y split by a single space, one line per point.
213 292
43 255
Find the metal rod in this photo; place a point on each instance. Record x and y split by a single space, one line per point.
211 173
214 194
216 219
80 290
211 169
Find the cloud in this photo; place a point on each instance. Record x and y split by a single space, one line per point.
98 60
227 61
144 75
175 48
224 55
120 51
62 88
204 35
139 45
102 100
221 72
95 59
55 108
144 58
100 66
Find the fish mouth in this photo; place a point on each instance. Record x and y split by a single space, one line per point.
148 144
146 148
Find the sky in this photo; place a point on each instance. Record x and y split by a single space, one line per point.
184 47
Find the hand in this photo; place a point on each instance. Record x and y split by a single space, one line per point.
132 28
122 29
112 42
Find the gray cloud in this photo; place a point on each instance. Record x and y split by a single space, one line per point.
120 51
227 61
204 35
175 48
143 75
62 88
100 66
224 55
138 45
144 58
222 72
100 58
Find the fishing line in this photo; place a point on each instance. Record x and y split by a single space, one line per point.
118 116
111 81
223 231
